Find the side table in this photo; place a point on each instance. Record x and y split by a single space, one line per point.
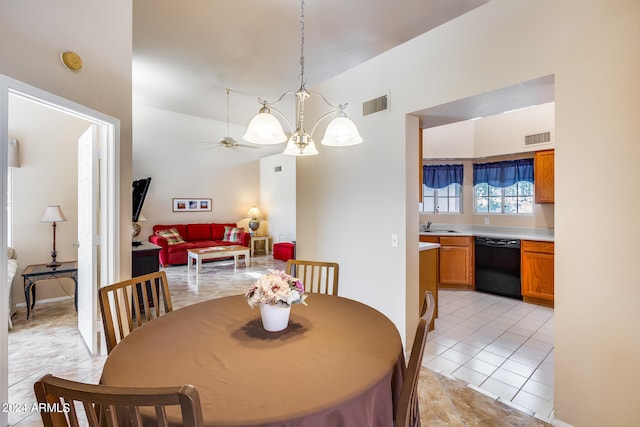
145 259
34 273
257 238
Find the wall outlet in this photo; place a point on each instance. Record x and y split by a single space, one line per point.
394 240
486 221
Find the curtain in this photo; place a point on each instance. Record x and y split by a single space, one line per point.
440 176
503 174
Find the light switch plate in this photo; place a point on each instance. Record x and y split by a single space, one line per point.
394 240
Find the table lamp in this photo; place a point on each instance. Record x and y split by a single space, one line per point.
136 230
256 216
53 214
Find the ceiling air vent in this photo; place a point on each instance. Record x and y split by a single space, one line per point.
374 105
537 138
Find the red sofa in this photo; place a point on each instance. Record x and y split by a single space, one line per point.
194 236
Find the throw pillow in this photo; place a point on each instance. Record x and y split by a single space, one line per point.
172 235
232 234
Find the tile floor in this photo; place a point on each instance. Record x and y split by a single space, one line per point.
50 343
499 346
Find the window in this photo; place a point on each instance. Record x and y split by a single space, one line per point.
503 187
442 200
442 188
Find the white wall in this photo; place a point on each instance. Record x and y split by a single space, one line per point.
494 135
361 200
180 154
451 141
33 34
48 175
504 133
278 196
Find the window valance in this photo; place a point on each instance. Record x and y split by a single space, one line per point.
503 174
440 176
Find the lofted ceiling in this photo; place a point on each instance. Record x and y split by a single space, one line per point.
185 53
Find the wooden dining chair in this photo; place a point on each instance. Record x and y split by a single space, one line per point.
61 403
317 277
428 308
131 303
408 412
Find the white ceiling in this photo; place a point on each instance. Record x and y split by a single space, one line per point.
185 53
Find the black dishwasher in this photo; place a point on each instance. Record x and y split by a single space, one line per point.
497 266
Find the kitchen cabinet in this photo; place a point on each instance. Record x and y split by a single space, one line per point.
543 169
537 272
455 260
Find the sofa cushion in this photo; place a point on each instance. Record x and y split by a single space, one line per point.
232 234
182 228
217 230
198 232
172 235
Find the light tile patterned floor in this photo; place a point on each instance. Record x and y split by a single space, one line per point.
500 346
51 343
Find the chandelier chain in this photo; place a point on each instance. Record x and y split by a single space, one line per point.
302 82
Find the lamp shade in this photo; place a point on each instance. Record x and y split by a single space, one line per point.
264 129
293 150
341 132
254 213
53 214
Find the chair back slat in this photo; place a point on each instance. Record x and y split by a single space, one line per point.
317 276
110 406
127 305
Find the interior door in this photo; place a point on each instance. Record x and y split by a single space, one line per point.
88 153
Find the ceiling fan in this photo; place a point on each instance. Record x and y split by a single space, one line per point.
228 141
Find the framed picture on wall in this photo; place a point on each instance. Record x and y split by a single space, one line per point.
191 205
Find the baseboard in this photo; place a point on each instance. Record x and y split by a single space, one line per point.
46 301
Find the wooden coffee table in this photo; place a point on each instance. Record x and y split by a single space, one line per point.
217 252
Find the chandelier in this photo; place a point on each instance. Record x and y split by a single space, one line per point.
265 128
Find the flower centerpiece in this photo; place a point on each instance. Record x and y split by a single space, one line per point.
274 293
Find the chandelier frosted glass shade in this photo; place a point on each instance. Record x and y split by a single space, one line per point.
341 132
293 149
265 129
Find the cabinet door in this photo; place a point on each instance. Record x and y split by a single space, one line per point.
537 276
454 265
543 167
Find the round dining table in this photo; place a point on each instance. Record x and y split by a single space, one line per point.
338 363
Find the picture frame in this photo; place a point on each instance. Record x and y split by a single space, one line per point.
188 204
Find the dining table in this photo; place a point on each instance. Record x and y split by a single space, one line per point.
338 363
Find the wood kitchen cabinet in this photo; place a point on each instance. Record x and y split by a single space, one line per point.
455 260
543 169
536 259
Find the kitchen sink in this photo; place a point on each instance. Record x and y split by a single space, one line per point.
440 231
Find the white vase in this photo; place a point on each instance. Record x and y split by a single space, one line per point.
274 317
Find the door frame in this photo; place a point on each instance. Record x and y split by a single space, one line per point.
110 188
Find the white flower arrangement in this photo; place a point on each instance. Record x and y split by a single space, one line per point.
276 288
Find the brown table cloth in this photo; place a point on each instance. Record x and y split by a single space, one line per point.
338 363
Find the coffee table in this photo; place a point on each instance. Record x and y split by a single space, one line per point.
200 254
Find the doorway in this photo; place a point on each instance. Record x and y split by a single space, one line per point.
107 237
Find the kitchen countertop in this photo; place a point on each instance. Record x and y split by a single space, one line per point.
540 234
425 246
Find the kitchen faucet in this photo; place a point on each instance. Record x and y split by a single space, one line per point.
428 225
